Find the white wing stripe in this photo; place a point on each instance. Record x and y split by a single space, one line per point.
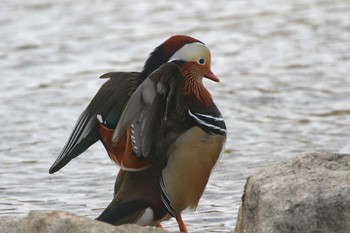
210 117
205 123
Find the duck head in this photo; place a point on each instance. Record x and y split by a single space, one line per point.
184 49
195 59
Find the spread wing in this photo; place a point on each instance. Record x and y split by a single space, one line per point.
109 103
151 112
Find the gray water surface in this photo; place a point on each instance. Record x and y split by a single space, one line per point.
285 89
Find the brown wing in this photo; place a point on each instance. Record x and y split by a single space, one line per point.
108 102
152 111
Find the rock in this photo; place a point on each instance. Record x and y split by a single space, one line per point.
309 193
59 222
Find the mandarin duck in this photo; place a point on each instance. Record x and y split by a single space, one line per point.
161 127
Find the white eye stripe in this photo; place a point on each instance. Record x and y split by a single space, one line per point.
191 52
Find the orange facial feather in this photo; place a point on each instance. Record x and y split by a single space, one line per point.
193 85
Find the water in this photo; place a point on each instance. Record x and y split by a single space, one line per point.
285 89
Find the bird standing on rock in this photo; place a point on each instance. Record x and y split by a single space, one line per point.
163 129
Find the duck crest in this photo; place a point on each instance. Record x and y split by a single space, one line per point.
163 52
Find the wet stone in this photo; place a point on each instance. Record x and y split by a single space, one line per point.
309 193
59 221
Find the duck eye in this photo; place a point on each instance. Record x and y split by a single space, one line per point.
201 61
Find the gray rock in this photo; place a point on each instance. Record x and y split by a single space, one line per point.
63 222
307 194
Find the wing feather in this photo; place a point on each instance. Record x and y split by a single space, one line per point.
108 102
149 107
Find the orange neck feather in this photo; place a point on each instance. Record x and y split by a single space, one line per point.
196 89
193 86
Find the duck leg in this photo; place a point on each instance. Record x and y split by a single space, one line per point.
181 224
158 225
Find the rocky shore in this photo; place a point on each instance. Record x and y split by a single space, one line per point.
308 193
63 222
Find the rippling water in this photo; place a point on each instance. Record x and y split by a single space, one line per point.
285 89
